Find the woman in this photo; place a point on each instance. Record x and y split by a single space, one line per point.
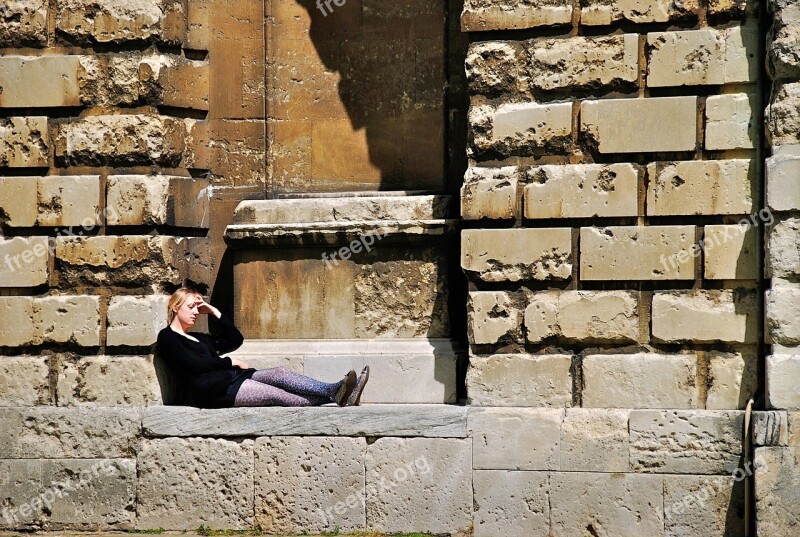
216 382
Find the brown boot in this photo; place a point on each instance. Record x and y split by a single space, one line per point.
355 397
348 384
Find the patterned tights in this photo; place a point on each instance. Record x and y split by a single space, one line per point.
279 386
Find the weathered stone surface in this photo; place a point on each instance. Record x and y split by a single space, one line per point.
121 140
705 316
583 316
136 320
698 57
731 8
701 187
770 428
182 85
731 252
794 429
492 68
603 12
480 15
117 21
595 440
731 121
53 200
20 481
54 433
660 124
697 506
23 23
135 78
782 375
493 317
783 260
25 261
783 316
777 491
783 57
520 380
783 183
637 253
108 381
640 381
519 128
513 504
490 193
186 482
310 484
54 319
24 381
685 441
135 200
436 472
605 504
783 115
17 327
19 202
26 142
516 438
581 190
732 379
517 254
30 81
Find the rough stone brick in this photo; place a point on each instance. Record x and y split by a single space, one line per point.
685 441
39 81
582 62
121 140
493 317
24 381
637 253
731 252
23 23
595 440
136 320
777 491
439 482
705 316
697 506
117 21
783 316
770 428
19 201
481 15
731 121
108 381
67 319
20 481
701 187
515 438
584 503
492 68
699 57
134 200
25 261
581 191
174 488
131 79
519 128
57 433
783 370
198 24
660 124
53 200
184 85
517 254
512 504
732 379
783 260
25 142
583 316
301 481
520 380
731 8
640 381
17 327
783 115
783 57
783 183
490 193
603 12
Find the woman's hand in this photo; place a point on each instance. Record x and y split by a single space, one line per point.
240 363
206 308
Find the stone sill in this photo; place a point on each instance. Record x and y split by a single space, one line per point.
333 347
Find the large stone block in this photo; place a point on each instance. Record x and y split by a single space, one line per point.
777 491
783 317
419 484
783 259
731 8
20 482
54 319
640 381
660 124
732 379
481 15
783 370
685 441
595 440
493 317
24 381
26 142
53 200
23 23
581 191
705 316
783 183
516 438
517 254
697 506
783 115
108 381
637 253
184 483
509 503
519 128
490 193
520 380
184 85
604 12
492 68
135 200
136 320
19 202
731 121
731 252
310 484
25 261
18 326
119 21
29 81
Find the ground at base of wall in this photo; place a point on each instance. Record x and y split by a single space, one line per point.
204 532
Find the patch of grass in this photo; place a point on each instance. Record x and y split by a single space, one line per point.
156 531
208 532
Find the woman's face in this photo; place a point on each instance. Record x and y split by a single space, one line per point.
187 312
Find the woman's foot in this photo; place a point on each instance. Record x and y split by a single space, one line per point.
355 397
344 391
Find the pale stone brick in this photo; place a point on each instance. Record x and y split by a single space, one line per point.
604 12
19 202
67 319
519 128
136 320
783 370
783 183
24 381
23 23
20 481
783 60
490 193
705 316
777 491
701 187
134 78
698 506
583 503
783 260
516 438
581 191
637 253
732 8
108 381
732 379
782 117
53 200
117 21
30 81
17 327
493 316
685 441
595 440
731 121
520 380
770 428
173 487
25 142
517 254
783 316
492 68
509 503
481 15
659 124
134 200
583 316
640 381
25 261
731 252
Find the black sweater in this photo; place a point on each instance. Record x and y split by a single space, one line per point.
211 381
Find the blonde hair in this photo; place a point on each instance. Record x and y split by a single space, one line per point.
176 301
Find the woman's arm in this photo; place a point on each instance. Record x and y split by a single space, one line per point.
230 339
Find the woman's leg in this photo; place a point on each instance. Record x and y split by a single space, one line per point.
253 393
292 382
